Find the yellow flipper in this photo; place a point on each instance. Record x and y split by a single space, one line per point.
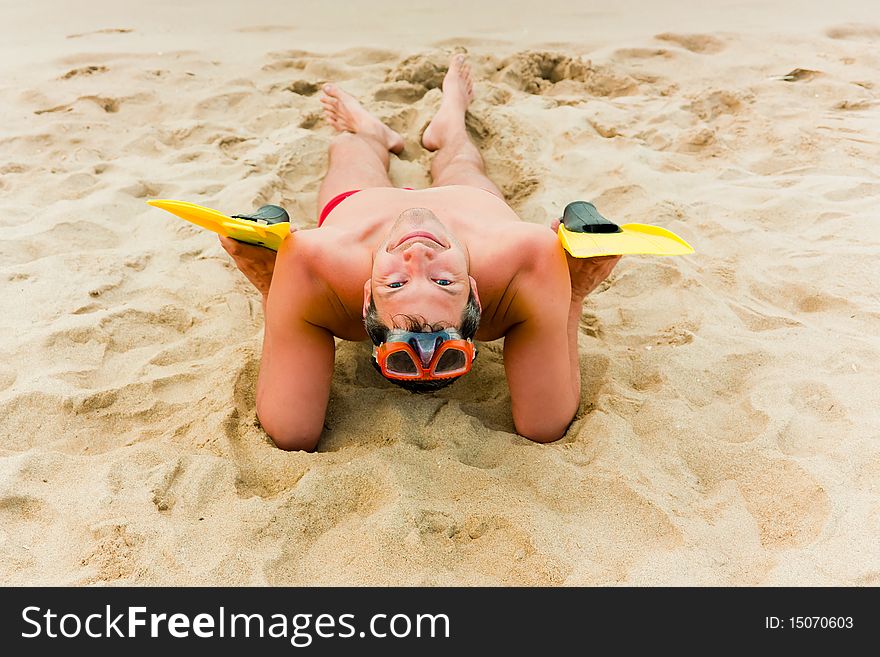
243 230
585 233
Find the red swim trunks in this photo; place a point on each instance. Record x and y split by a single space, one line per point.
336 200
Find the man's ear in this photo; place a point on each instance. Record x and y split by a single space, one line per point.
368 294
476 294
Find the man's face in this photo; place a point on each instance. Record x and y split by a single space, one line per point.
420 270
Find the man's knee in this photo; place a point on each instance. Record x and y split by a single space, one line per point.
344 140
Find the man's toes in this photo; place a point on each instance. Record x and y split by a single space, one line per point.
332 90
332 118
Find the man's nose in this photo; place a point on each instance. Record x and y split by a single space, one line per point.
417 251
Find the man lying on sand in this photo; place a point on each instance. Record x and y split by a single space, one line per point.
422 273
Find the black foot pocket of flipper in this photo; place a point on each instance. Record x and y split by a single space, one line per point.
267 215
583 217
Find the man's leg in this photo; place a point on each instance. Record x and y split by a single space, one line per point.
359 156
458 161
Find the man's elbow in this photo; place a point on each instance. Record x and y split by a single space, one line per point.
540 432
291 439
541 424
295 443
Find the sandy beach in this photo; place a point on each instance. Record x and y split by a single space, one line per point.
727 433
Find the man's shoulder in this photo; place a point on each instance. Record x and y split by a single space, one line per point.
299 276
316 250
527 243
320 280
541 281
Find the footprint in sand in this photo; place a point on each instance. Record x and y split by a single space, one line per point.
75 186
858 104
861 190
426 71
401 91
22 507
468 543
539 72
855 32
234 147
220 104
715 103
310 120
143 189
799 298
624 54
736 422
816 399
368 56
58 240
783 521
700 43
640 372
109 105
131 328
696 140
84 71
283 64
325 501
535 72
720 378
303 87
758 321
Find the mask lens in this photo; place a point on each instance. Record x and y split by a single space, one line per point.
400 362
452 360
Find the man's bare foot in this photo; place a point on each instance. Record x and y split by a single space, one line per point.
458 92
346 114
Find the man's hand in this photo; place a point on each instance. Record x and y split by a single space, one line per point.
586 273
255 262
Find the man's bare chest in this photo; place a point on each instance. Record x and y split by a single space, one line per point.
496 240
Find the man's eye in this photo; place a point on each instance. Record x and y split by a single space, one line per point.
443 281
395 285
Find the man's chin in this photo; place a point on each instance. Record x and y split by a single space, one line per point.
415 218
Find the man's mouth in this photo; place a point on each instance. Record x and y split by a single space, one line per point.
417 234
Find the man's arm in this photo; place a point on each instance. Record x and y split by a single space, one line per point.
541 350
297 364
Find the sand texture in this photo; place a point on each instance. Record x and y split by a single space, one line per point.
729 432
